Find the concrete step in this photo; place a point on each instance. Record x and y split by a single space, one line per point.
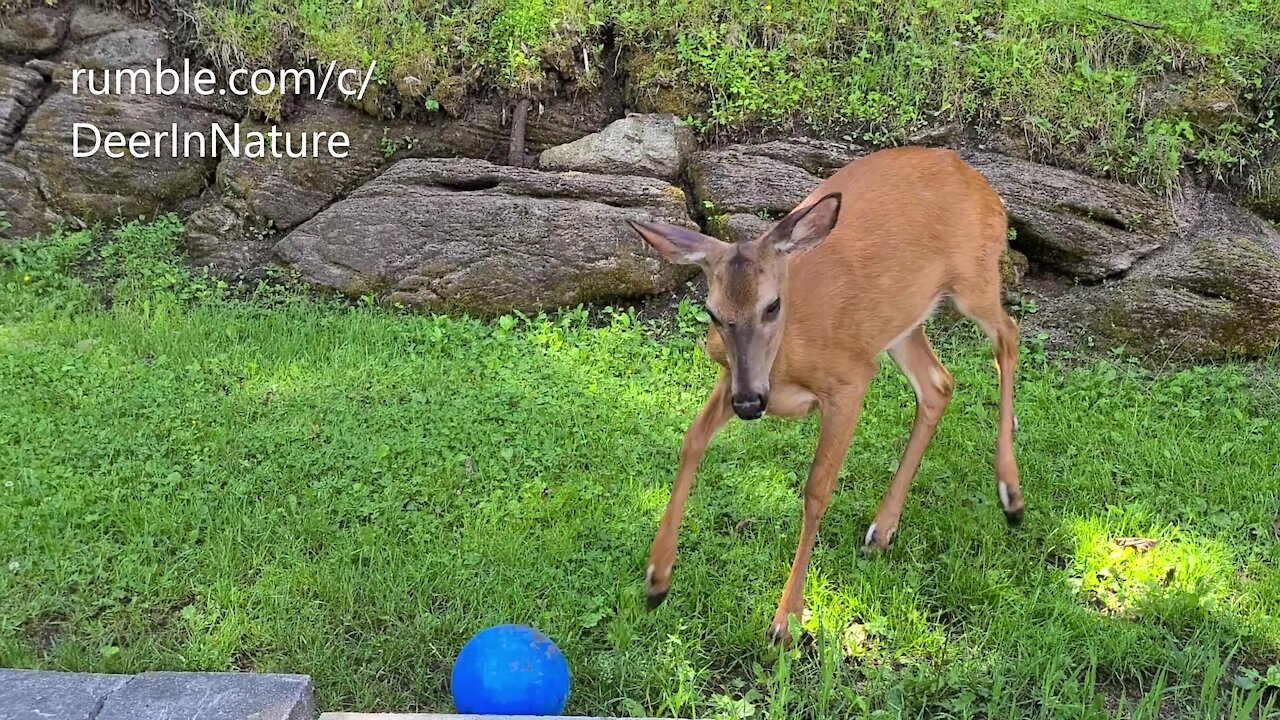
42 695
30 694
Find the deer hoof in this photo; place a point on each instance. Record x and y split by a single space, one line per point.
1013 517
652 596
778 635
871 543
1011 514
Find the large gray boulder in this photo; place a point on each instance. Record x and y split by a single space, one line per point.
20 90
1214 293
736 180
468 235
743 188
652 145
1082 226
100 187
821 158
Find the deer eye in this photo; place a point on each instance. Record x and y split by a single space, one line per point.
771 312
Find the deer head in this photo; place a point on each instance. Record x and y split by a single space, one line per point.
747 289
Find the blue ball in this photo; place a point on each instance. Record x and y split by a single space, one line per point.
510 670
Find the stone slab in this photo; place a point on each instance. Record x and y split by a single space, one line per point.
38 695
211 696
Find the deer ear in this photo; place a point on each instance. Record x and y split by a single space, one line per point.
676 244
805 228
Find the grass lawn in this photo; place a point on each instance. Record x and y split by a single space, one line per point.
194 482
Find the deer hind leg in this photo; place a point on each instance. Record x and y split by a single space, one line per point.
662 553
932 384
984 308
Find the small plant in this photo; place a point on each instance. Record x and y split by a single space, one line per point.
1025 306
696 123
692 318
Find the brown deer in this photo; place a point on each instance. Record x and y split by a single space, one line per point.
801 313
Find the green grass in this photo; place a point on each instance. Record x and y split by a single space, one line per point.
199 482
1074 77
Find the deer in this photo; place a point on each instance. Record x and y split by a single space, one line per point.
800 315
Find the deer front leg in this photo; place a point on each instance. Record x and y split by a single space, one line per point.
662 554
839 418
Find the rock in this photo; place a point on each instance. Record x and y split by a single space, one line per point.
88 21
24 210
224 239
937 135
737 227
767 179
131 47
286 192
652 145
20 90
1013 268
28 694
734 180
469 235
45 68
101 187
1214 294
1088 228
818 157
211 696
37 31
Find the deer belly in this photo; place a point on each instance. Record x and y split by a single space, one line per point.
790 401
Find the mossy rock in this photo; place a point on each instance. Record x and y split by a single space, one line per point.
1209 298
1013 267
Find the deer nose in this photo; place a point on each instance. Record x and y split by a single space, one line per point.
750 405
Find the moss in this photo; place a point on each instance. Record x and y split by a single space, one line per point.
676 194
267 106
718 226
1013 265
1150 316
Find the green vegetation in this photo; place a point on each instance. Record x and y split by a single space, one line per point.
201 481
1133 88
